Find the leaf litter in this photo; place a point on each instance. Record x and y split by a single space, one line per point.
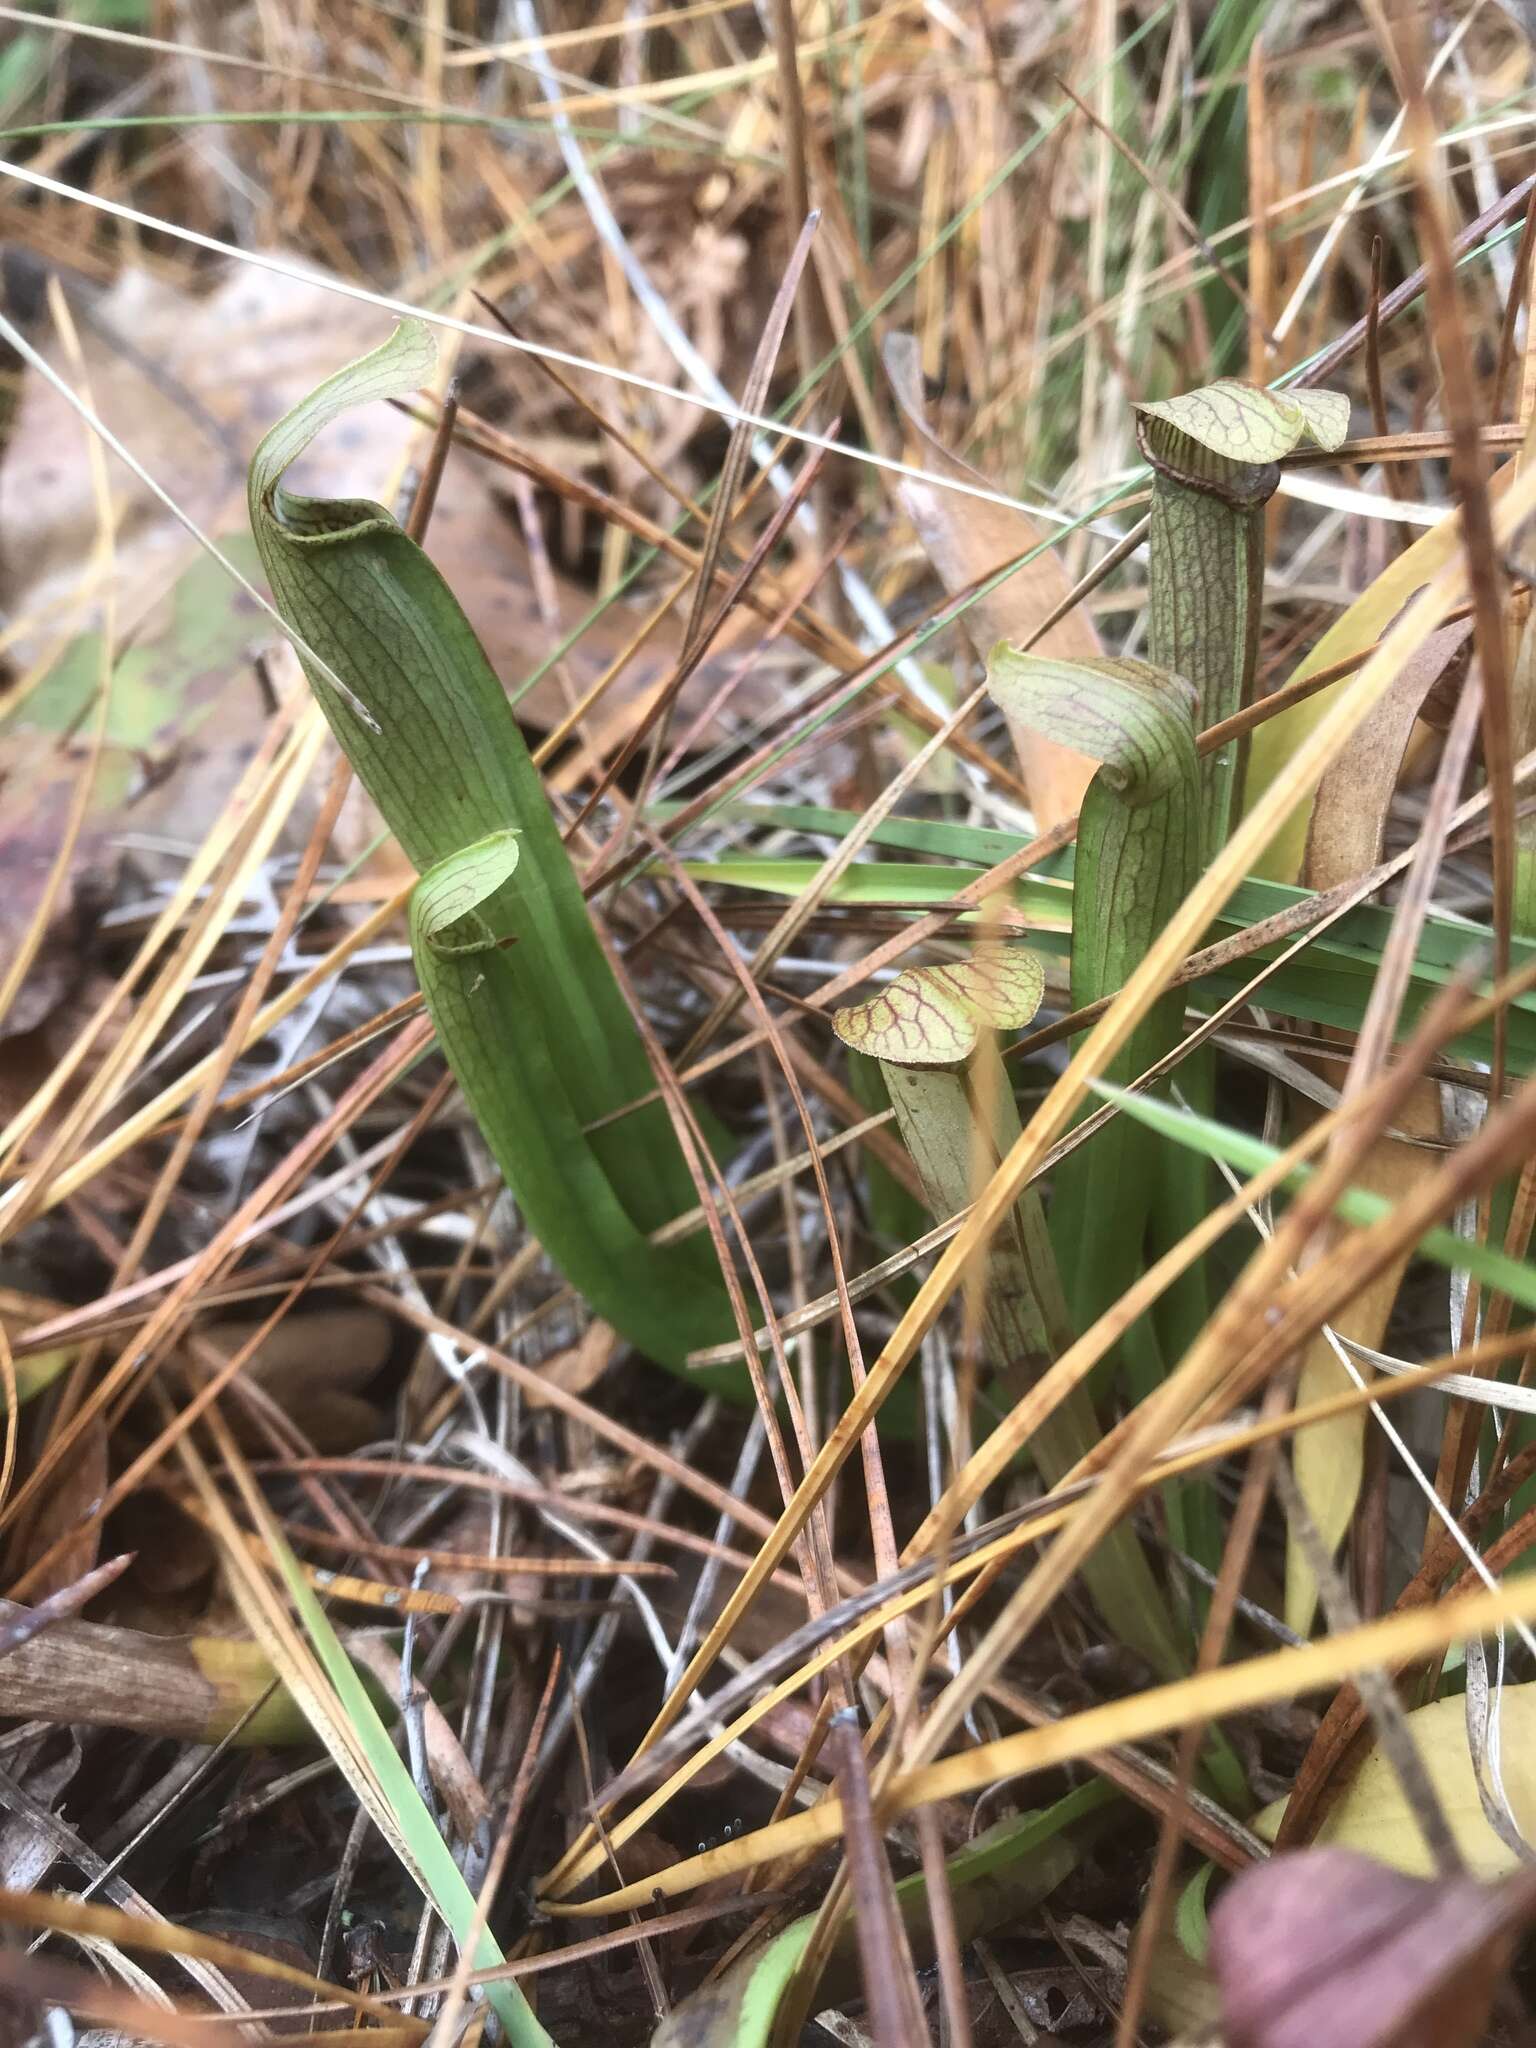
289 1368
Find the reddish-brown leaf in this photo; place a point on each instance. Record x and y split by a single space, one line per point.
1327 1949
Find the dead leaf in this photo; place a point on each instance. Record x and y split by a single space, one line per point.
966 539
190 385
1372 1813
314 1366
168 1589
78 1485
186 716
1349 812
280 1941
577 1370
27 1851
1327 1949
1346 837
189 1688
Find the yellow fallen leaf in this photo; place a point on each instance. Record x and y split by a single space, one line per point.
1372 1815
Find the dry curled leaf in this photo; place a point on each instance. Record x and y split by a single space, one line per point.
1346 836
966 539
188 383
1349 813
191 383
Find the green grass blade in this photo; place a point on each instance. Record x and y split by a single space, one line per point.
1249 1155
435 1868
1329 984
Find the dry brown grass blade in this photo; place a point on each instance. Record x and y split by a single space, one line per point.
541 1964
80 1993
772 750
1231 1689
12 1394
604 1426
446 2029
1469 479
890 1994
20 965
1260 184
817 1650
805 905
160 46
815 1553
169 1177
266 1613
274 785
140 1124
223 1372
165 1322
470 1561
654 726
1176 207
740 73
1237 1553
739 449
885 1549
1519 287
123 1308
485 438
428 1474
286 1078
126 1930
22 1624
